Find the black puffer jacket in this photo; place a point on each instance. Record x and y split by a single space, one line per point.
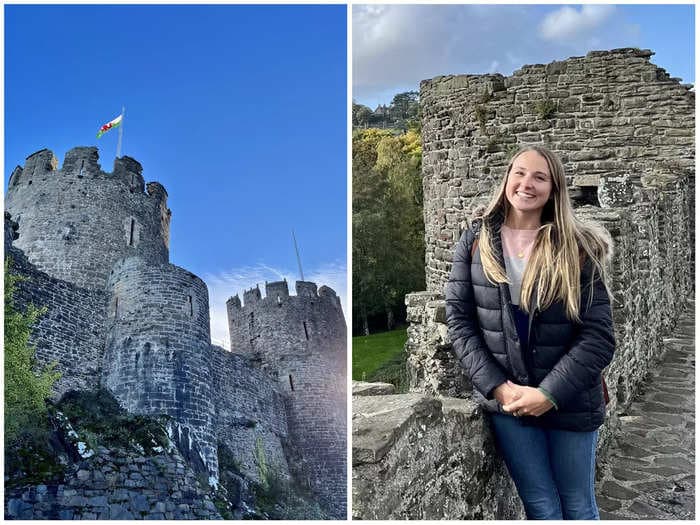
564 358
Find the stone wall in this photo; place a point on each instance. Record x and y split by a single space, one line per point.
157 357
95 248
75 222
420 457
250 414
625 133
70 332
614 118
301 342
117 485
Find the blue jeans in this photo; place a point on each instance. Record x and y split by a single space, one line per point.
553 470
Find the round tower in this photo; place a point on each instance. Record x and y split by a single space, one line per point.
77 221
301 341
157 358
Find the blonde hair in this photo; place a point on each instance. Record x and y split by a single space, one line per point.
553 271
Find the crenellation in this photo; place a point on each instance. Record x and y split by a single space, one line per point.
94 247
16 176
40 163
301 344
157 191
278 291
85 217
82 161
306 289
233 303
251 296
130 170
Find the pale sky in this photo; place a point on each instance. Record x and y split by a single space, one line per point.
397 46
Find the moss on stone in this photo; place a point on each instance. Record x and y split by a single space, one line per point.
97 417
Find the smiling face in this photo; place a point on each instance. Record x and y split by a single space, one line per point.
529 184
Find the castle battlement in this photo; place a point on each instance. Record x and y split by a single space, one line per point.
95 248
81 162
59 211
277 293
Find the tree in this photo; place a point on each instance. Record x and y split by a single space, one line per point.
405 106
26 389
361 115
387 223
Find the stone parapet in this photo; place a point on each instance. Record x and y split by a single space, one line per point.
420 457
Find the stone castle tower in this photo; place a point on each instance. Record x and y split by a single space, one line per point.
77 221
300 340
95 247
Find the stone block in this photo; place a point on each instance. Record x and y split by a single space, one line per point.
361 388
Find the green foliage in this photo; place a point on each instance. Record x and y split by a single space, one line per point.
387 220
28 454
261 460
402 114
222 505
393 371
26 388
546 108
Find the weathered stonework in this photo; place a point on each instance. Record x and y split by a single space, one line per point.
421 457
250 409
625 133
117 485
308 359
77 222
94 249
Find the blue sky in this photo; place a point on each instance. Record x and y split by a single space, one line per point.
397 46
239 111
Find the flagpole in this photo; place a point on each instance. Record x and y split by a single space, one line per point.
121 130
298 258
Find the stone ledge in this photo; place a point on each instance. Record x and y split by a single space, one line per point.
363 388
377 421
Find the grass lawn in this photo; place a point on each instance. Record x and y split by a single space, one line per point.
372 352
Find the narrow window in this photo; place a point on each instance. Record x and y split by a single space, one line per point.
132 179
279 301
131 233
250 322
306 332
291 382
116 306
82 164
189 303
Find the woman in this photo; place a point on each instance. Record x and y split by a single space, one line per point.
530 321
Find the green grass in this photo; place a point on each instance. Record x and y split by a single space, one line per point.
372 353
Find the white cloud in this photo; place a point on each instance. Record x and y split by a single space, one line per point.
236 280
396 46
568 22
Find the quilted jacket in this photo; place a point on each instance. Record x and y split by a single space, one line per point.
563 357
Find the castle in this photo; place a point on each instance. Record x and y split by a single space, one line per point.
95 246
625 132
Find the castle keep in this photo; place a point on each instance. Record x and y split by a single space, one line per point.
94 246
624 130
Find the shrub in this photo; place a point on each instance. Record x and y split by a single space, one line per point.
26 388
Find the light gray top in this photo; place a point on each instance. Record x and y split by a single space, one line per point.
517 246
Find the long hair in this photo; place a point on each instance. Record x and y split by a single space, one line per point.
553 271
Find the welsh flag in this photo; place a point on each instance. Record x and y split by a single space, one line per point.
111 124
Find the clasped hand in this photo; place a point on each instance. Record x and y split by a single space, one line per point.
521 400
